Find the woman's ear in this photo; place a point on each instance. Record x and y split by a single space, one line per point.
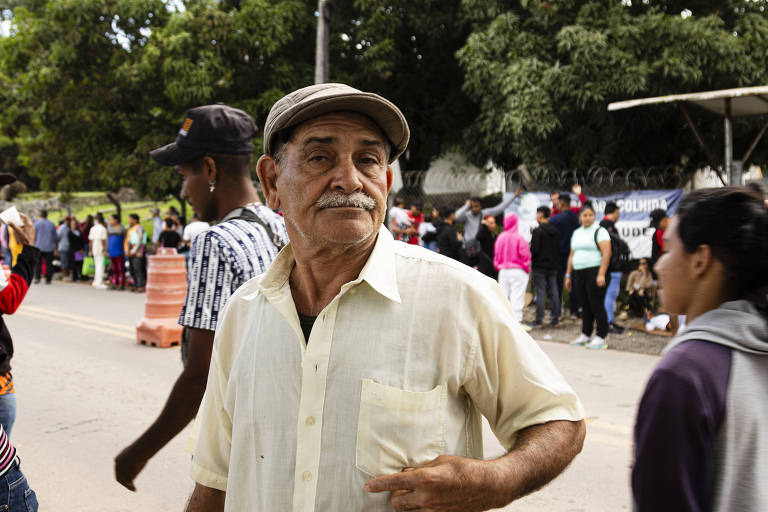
701 261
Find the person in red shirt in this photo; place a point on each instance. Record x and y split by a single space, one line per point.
576 189
416 218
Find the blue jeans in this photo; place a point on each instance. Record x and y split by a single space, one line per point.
15 493
610 295
7 413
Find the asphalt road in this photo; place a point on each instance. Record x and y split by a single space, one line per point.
85 389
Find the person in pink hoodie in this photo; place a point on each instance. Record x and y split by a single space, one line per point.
512 258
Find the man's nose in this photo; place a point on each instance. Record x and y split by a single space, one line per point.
346 176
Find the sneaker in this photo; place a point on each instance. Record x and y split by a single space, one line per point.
582 340
553 323
533 325
597 343
615 329
526 327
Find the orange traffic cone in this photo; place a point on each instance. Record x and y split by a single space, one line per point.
166 290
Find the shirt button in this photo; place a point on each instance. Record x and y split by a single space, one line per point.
306 476
310 420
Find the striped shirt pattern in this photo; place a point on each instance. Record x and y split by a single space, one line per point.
6 384
7 453
224 257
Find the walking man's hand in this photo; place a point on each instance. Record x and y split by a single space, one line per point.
128 464
446 484
25 235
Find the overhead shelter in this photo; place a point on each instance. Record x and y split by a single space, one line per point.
728 103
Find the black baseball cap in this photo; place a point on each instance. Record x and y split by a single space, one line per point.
209 129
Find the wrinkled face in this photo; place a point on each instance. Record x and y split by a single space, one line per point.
587 217
196 190
333 180
672 269
476 207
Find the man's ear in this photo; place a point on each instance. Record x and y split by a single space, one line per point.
390 178
267 168
209 169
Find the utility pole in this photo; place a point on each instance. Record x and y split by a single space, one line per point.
323 39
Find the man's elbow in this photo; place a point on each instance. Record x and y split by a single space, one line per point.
579 434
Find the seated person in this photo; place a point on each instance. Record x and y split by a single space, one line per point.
640 289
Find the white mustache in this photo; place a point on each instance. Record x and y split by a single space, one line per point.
336 199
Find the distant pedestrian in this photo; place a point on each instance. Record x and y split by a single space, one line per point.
701 434
558 207
486 240
98 248
135 246
512 258
158 226
169 237
566 223
65 255
45 240
448 239
77 250
640 290
587 277
427 229
610 218
191 230
545 249
400 223
659 222
472 214
116 251
416 217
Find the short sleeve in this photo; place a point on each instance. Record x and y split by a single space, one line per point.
510 379
603 235
210 282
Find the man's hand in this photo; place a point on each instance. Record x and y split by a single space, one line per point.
128 464
25 235
445 484
576 189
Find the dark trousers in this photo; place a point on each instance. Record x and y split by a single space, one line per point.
592 300
139 271
48 258
545 285
562 265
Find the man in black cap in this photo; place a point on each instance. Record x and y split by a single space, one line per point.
212 153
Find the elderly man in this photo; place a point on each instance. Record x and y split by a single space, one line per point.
353 373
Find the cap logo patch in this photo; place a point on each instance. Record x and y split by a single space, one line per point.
186 126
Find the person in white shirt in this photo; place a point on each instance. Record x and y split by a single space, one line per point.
191 230
353 374
98 240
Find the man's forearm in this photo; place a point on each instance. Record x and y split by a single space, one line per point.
540 453
205 499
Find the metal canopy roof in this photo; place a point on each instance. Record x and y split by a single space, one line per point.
728 103
745 101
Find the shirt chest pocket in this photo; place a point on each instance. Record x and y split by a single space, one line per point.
398 428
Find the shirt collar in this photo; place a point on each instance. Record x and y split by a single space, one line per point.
378 271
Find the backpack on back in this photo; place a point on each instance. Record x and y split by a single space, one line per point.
620 253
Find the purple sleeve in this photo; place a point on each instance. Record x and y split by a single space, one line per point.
677 428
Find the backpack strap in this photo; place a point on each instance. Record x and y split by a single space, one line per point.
249 216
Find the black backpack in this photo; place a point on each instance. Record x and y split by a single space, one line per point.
620 253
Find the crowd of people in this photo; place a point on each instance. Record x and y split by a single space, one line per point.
569 251
287 296
100 250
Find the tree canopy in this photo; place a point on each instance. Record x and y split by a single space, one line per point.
88 87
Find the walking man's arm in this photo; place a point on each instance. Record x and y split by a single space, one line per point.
179 410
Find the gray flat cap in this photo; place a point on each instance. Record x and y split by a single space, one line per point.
313 101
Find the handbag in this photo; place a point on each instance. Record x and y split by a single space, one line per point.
89 267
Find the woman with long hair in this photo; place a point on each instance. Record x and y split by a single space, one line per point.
701 435
587 275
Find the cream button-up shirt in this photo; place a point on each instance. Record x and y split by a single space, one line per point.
397 371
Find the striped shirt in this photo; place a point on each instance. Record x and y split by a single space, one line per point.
224 257
7 453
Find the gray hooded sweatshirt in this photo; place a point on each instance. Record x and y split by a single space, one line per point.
701 435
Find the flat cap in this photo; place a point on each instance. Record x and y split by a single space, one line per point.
313 101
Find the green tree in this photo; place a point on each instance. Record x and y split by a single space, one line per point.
89 87
543 74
